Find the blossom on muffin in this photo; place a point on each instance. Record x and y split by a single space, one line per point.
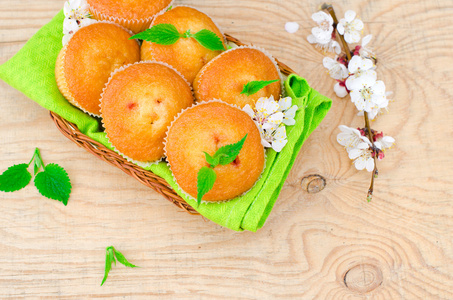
271 117
77 15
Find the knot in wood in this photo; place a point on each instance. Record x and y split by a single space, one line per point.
313 183
363 278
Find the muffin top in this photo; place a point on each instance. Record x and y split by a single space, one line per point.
206 127
225 76
186 55
129 9
138 105
90 57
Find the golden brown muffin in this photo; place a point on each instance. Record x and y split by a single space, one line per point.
135 15
205 128
186 55
84 65
225 76
137 106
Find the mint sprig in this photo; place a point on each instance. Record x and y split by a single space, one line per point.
53 182
167 34
223 156
110 255
254 86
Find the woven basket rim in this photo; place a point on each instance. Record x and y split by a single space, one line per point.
148 178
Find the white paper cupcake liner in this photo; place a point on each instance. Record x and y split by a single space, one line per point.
61 81
169 166
120 69
136 25
265 52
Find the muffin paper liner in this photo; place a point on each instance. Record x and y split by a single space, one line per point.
282 88
181 190
120 69
136 25
61 79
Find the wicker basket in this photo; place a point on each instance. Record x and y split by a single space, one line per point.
147 178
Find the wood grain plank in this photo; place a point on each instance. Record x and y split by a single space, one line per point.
397 247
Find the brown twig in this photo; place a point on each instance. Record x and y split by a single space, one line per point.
331 11
370 134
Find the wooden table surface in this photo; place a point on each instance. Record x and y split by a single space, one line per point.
329 245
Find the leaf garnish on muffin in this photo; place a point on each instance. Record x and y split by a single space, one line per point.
224 156
254 86
167 34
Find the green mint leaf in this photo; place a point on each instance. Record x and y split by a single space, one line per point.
209 40
122 259
169 8
227 154
254 86
37 161
205 181
162 34
109 259
54 183
15 178
212 161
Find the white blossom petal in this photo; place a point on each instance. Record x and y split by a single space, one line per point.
340 28
291 27
366 40
340 90
370 164
284 103
279 144
349 15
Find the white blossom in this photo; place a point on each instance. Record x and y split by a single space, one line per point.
350 138
76 9
384 142
336 69
362 157
350 27
370 95
266 114
361 69
340 90
271 118
77 15
365 52
289 112
322 35
275 138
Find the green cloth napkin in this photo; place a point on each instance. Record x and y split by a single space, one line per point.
31 71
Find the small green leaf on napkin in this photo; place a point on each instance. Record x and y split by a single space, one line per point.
15 178
110 255
162 34
254 86
209 40
205 181
54 183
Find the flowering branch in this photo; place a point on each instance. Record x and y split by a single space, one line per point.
346 49
356 76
